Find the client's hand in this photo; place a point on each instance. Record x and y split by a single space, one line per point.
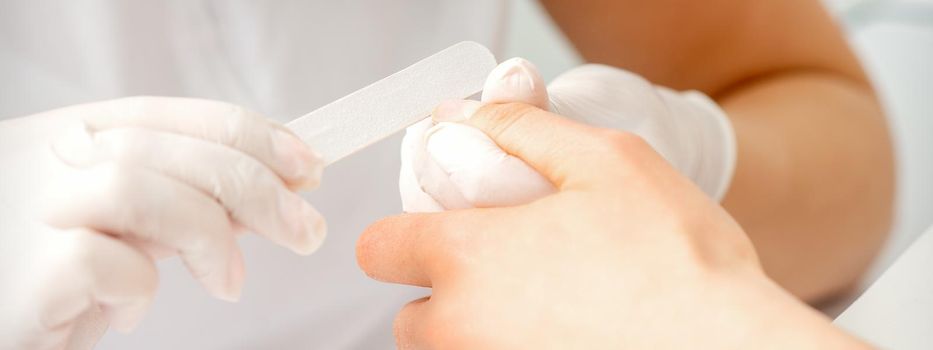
646 262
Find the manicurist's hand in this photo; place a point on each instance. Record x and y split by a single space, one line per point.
92 195
625 254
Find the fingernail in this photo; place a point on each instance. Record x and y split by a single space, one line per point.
314 233
515 80
455 110
300 163
75 146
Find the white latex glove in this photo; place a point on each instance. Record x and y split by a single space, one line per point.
90 195
453 166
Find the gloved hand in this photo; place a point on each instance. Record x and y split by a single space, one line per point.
453 166
90 195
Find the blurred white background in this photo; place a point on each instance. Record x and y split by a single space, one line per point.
893 37
894 40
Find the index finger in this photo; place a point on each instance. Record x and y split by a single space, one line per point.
404 249
422 249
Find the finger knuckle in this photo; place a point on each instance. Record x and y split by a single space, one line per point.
119 143
201 244
713 241
620 146
247 182
501 117
243 127
136 207
620 141
115 181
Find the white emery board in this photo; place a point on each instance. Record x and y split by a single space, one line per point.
387 106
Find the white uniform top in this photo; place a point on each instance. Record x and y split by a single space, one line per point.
283 59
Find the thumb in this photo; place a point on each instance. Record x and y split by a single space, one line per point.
562 150
516 80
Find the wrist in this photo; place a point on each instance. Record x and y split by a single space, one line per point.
763 315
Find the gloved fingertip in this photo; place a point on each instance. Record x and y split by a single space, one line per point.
516 80
299 164
228 286
312 234
228 293
302 228
222 287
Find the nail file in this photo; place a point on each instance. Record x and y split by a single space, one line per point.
387 106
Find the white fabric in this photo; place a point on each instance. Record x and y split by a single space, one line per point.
452 166
282 59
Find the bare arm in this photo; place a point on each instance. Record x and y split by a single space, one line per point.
814 182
